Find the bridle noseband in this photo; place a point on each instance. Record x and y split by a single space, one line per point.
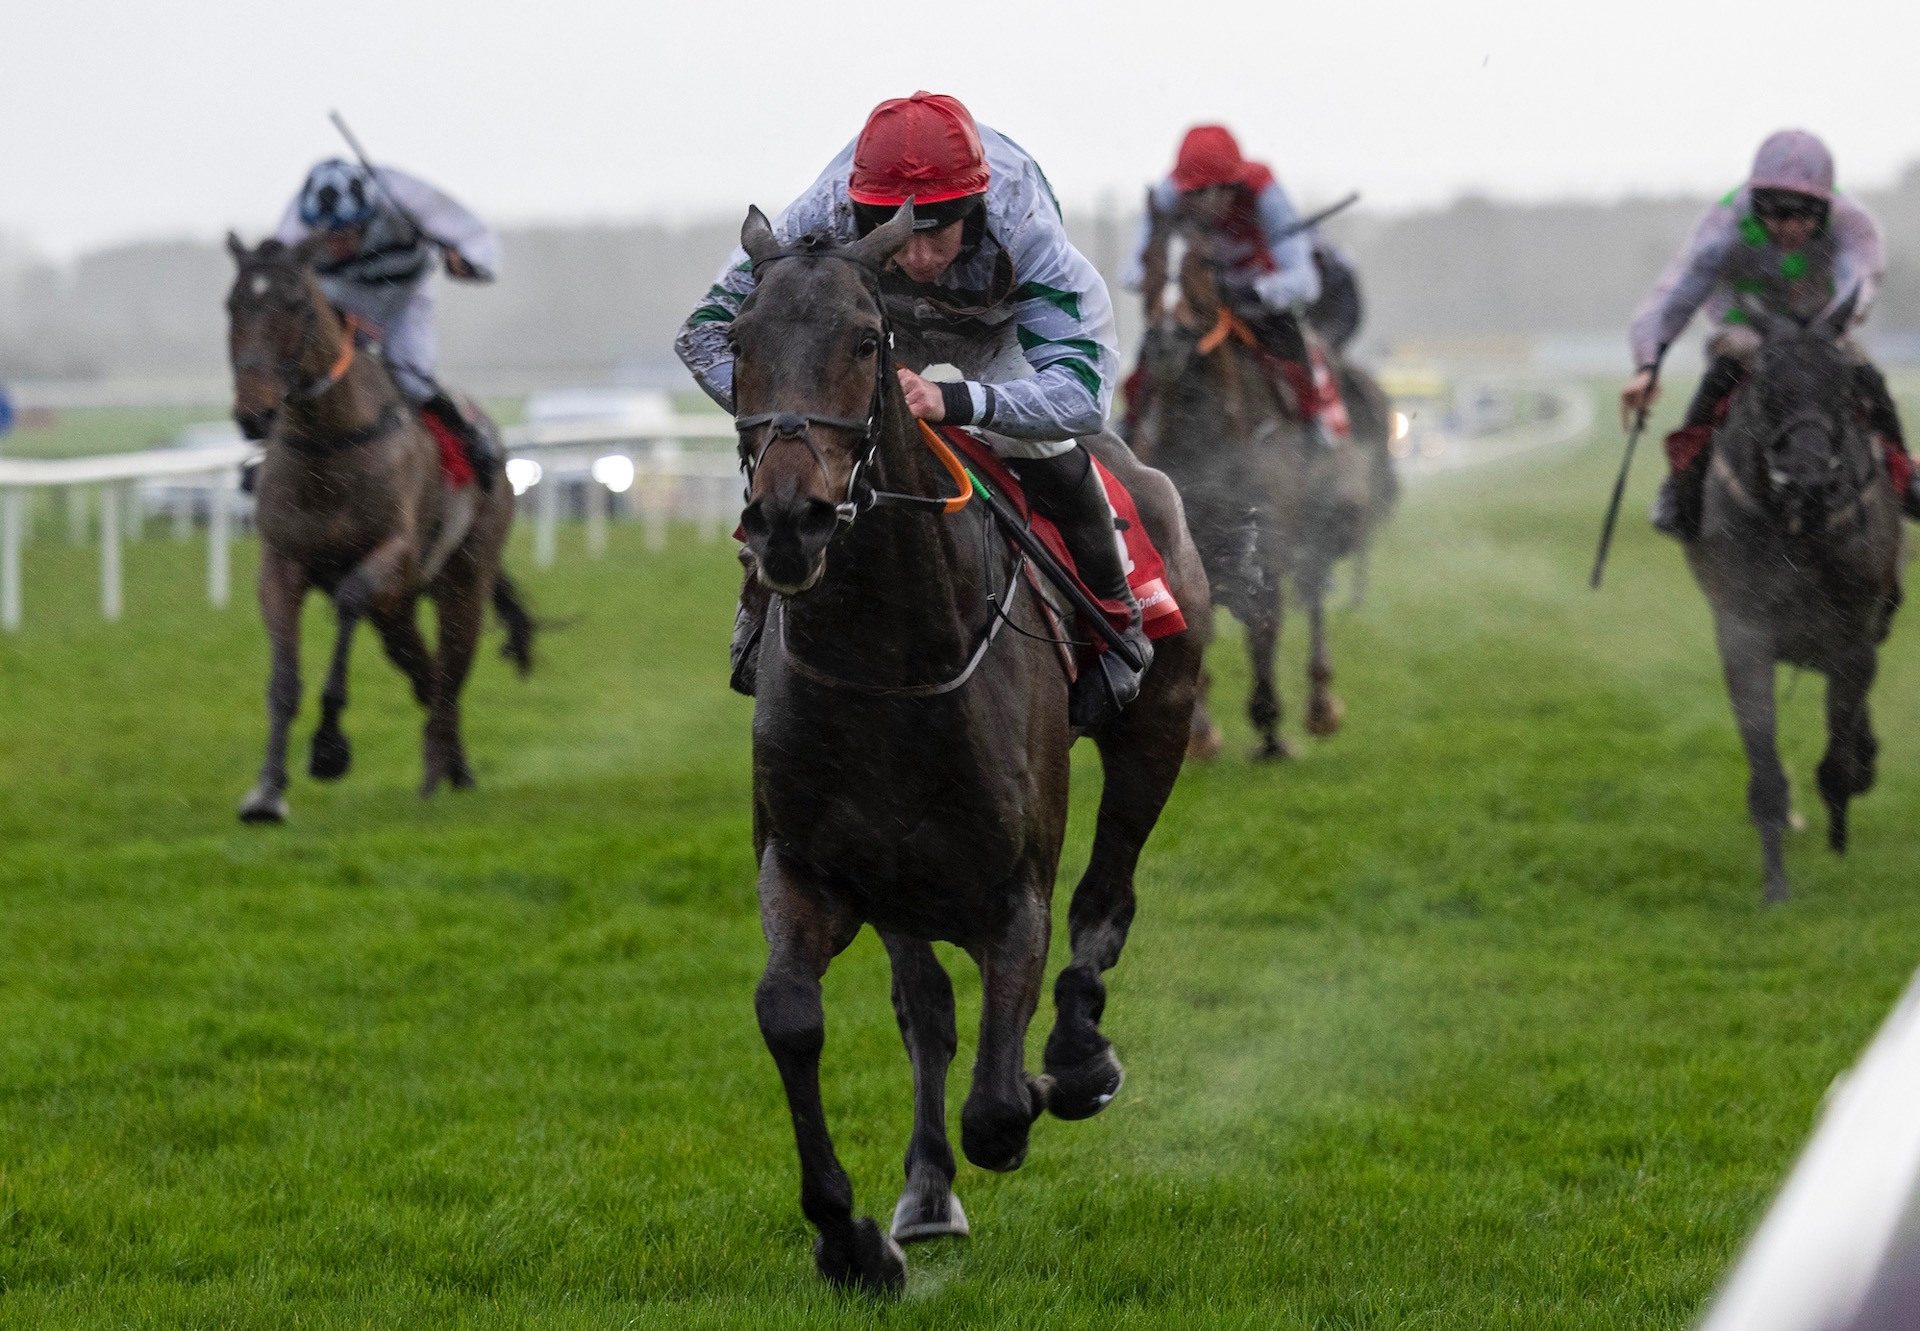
321 384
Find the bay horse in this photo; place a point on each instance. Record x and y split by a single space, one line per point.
909 757
1799 555
349 500
1264 502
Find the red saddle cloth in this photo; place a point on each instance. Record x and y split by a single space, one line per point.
454 467
1146 571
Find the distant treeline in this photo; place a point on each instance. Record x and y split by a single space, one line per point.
589 302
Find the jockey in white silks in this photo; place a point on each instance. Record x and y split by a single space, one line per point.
382 233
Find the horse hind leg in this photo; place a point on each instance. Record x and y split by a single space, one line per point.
462 610
1847 769
1140 755
923 1003
806 928
1262 618
1325 711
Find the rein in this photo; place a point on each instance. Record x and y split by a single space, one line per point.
1756 504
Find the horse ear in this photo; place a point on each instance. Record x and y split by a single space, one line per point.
1838 317
887 239
1768 321
236 247
756 235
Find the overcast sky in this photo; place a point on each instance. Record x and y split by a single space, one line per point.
124 118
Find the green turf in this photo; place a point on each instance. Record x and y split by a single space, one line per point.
1469 1018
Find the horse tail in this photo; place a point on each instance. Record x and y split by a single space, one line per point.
512 609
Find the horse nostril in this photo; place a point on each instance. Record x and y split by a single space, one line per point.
753 520
817 520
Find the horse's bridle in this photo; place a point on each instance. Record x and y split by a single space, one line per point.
321 384
796 425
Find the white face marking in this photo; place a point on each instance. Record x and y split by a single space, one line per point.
260 284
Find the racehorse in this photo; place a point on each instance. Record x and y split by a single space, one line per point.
1264 502
910 744
350 500
1799 555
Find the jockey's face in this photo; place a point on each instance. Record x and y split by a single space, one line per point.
343 244
1791 233
929 253
1208 204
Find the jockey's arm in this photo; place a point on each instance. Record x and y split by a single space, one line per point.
472 248
1860 257
1146 270
702 342
1294 280
1063 319
1682 289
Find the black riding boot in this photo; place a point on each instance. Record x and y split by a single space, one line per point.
743 652
1883 418
483 454
1676 509
1067 490
1281 335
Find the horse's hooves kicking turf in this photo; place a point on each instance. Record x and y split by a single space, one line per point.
1083 1091
332 755
875 1264
260 807
929 1214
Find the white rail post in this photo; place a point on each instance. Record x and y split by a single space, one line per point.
77 514
219 541
546 519
182 518
12 513
110 598
599 502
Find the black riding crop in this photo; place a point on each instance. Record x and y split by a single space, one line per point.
1626 462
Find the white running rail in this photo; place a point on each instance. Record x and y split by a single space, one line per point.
666 481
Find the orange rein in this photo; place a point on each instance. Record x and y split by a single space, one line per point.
955 468
1227 325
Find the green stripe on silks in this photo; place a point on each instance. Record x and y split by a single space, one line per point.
1068 301
1753 231
711 314
1793 266
1030 340
1084 372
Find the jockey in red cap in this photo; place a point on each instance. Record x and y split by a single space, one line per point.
990 284
1787 237
1237 212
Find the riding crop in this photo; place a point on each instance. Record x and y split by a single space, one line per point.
1626 462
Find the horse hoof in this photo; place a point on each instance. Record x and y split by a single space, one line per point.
460 777
1083 1091
331 756
263 807
1205 745
1324 720
997 1139
1796 821
875 1265
929 1213
430 785
1777 893
1273 749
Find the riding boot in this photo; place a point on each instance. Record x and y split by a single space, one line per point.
1677 507
743 652
1883 418
1067 489
481 452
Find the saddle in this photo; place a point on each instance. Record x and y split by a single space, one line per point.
1160 613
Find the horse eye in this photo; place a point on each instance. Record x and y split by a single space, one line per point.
869 343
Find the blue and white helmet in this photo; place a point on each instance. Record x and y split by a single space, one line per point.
338 194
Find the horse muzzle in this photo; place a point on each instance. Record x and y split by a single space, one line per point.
788 539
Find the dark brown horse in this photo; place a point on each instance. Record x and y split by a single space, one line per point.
1265 503
350 501
910 757
1799 555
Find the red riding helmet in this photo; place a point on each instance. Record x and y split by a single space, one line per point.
925 147
1210 156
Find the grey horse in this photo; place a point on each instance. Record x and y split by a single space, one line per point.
1799 556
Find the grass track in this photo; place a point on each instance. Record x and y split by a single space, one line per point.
1471 1018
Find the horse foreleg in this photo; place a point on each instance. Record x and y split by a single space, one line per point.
1747 661
806 927
1847 768
923 1003
1324 709
377 582
399 630
283 586
1204 740
1140 756
1003 1102
461 605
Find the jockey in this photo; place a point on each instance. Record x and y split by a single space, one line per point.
989 284
1238 214
380 235
1788 238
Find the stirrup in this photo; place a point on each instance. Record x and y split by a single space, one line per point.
1107 685
743 652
